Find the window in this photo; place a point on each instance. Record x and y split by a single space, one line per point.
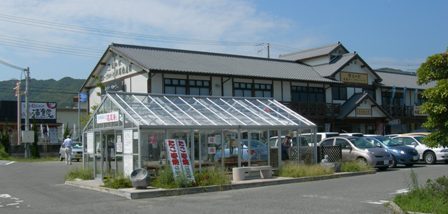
175 86
262 90
339 93
307 94
179 86
343 143
199 87
241 89
328 142
397 98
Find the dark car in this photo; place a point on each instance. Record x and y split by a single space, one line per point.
401 153
360 149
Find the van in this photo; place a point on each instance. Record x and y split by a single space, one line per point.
319 136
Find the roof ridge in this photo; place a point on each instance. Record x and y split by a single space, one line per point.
311 49
204 53
396 71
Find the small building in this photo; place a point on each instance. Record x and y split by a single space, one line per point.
131 130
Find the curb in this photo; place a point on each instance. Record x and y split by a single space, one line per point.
395 208
154 193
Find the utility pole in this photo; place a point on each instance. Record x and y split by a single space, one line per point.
27 77
19 115
268 48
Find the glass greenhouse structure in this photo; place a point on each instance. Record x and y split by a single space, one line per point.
128 131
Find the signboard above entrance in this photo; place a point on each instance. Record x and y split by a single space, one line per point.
350 77
107 117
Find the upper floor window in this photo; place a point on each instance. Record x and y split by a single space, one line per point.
175 86
182 86
199 87
339 93
262 90
391 98
241 89
307 94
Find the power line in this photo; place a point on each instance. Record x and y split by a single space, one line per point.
117 34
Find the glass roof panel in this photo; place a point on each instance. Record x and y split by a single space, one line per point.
175 110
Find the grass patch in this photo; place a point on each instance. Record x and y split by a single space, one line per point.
355 166
3 154
207 177
212 176
432 198
79 173
117 182
297 171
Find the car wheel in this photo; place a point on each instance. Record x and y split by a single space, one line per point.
362 160
429 157
394 162
77 160
409 164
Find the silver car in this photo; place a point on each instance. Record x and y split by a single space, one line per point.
361 149
76 152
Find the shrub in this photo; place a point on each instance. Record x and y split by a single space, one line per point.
354 166
79 173
296 171
212 176
432 198
3 154
165 179
117 182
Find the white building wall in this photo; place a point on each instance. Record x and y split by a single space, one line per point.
228 86
139 83
317 61
286 91
94 97
216 86
156 83
277 90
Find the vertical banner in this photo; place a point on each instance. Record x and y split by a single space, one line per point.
185 160
173 157
128 158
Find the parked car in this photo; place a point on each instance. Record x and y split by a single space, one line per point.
352 134
319 135
401 154
427 154
76 152
360 149
258 151
304 141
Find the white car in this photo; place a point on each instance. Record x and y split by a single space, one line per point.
429 155
76 152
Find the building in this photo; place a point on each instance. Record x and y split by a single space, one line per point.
332 87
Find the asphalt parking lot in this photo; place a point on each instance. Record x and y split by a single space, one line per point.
38 188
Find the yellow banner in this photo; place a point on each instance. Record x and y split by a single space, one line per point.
350 77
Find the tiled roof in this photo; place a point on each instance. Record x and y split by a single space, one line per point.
310 53
401 79
163 59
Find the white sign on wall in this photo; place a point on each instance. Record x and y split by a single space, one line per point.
107 117
90 141
127 141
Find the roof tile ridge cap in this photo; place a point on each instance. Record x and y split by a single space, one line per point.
311 49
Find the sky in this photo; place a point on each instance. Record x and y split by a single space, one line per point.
60 38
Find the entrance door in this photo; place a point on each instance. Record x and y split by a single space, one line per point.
108 148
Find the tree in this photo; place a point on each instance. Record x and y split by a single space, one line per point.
435 69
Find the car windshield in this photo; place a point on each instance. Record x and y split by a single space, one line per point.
362 143
389 141
77 146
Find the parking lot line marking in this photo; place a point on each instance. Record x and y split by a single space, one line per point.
400 191
11 162
380 202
